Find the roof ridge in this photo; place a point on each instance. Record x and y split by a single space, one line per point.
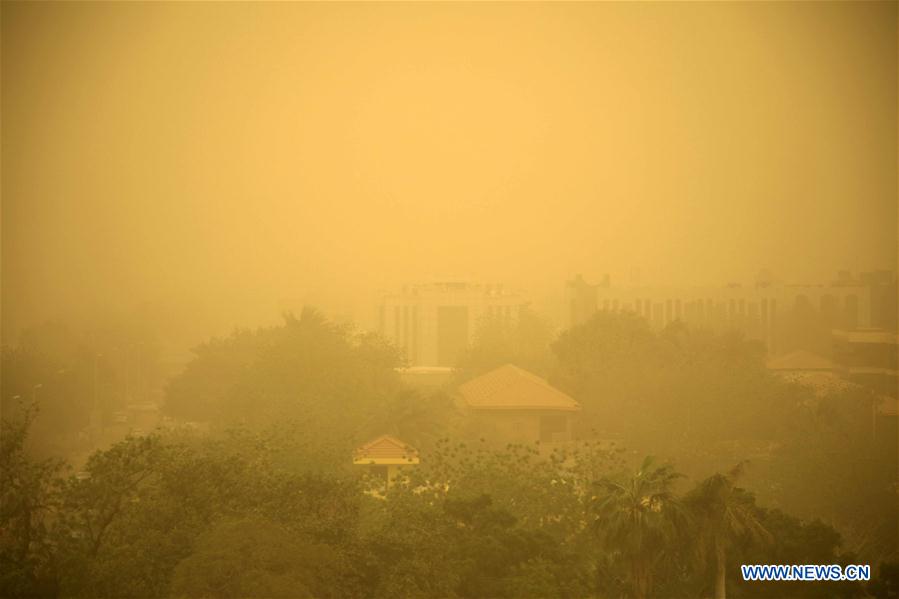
385 437
509 378
534 377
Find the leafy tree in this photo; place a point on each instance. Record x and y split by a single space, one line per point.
793 541
494 552
416 417
406 548
524 342
641 385
200 392
832 463
113 478
236 514
94 507
466 545
73 375
64 396
29 496
173 514
885 580
319 376
255 557
547 491
178 487
706 400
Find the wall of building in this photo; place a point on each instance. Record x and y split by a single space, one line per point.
433 323
521 426
758 311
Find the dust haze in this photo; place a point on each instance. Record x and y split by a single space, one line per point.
238 159
448 300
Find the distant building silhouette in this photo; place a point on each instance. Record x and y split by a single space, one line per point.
769 311
433 323
883 286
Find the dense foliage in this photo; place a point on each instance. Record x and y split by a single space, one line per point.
225 516
266 502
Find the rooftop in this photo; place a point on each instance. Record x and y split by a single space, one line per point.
511 388
385 450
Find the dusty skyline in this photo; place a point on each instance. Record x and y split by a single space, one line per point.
201 199
229 158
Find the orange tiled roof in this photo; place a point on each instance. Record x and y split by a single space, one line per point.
385 447
800 360
511 388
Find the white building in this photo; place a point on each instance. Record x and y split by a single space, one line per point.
753 309
433 323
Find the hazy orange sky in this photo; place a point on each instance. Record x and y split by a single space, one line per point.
232 158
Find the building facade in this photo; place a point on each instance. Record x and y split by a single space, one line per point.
512 405
760 310
433 323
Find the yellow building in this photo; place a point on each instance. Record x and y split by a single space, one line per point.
509 404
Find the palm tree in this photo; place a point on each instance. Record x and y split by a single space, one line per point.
637 517
724 513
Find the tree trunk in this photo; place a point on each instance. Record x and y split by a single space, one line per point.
639 580
720 573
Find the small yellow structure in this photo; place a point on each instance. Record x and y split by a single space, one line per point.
386 454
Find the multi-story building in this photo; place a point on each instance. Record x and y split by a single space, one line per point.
761 310
884 286
433 323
